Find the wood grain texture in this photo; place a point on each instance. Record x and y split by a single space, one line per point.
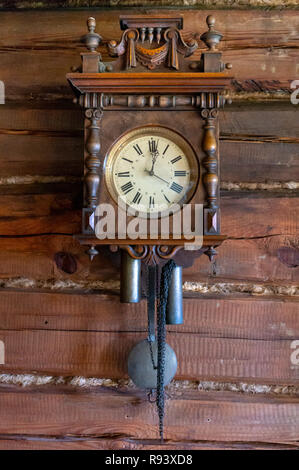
63 156
33 257
24 442
258 228
56 4
195 416
255 260
104 354
244 216
26 134
278 161
43 70
240 318
256 216
41 154
256 120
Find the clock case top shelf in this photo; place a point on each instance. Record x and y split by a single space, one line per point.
144 83
148 83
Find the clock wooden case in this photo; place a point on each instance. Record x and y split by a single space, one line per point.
152 83
152 140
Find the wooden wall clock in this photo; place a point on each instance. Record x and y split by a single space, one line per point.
151 149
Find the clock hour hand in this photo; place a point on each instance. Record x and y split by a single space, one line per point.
153 148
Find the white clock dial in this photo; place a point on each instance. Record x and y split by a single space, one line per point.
151 169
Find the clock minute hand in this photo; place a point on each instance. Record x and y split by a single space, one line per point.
159 177
153 146
151 173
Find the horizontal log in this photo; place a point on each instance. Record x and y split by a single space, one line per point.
41 155
43 119
21 442
257 238
252 319
47 52
38 184
35 205
63 29
254 260
256 216
59 224
104 354
63 156
259 120
183 4
34 257
242 217
56 134
109 414
258 161
36 213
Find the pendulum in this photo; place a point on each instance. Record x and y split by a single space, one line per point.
152 363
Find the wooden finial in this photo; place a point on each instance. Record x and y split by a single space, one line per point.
210 21
92 252
92 39
211 253
91 24
211 38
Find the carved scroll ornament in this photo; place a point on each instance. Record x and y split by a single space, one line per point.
132 45
150 254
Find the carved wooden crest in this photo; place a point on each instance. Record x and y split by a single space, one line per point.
152 42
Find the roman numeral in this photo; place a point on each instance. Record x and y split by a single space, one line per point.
166 198
138 149
176 187
137 198
127 187
124 174
153 145
127 160
165 150
151 201
180 173
176 159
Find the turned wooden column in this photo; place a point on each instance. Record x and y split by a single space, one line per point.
92 159
210 178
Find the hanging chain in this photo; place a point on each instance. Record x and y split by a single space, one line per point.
161 338
151 308
152 294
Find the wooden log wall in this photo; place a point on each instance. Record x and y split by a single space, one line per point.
64 383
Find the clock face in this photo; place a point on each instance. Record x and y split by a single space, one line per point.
152 169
